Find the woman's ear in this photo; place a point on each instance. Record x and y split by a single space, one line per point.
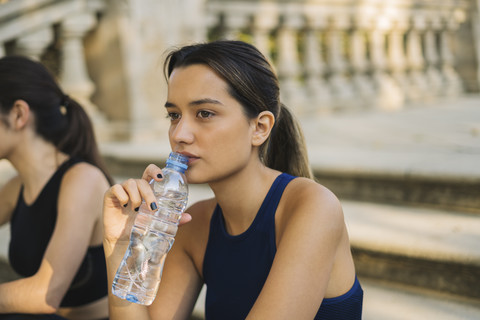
263 125
20 114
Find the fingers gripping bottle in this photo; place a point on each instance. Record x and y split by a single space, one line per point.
138 276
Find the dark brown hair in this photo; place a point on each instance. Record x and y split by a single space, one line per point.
253 83
59 119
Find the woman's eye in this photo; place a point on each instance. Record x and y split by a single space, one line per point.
173 116
204 114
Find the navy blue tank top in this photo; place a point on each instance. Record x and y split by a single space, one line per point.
236 267
31 228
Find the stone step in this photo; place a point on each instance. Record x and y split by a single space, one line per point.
457 193
427 248
415 156
384 300
421 247
454 190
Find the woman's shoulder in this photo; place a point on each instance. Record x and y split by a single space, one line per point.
82 171
83 181
201 211
303 189
304 197
199 226
193 236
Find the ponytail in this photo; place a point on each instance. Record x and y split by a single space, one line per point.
286 150
78 138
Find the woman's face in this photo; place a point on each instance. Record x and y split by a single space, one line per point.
6 136
207 124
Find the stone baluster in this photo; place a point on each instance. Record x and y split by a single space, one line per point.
213 20
264 21
416 62
389 95
318 91
432 58
73 70
360 66
452 83
397 60
288 65
234 23
341 88
34 44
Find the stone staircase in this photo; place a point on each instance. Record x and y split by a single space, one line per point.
409 183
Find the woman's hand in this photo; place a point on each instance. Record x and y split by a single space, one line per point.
122 201
119 204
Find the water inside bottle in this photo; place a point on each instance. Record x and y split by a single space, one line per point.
152 237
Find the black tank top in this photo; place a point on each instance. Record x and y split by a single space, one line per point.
31 228
236 267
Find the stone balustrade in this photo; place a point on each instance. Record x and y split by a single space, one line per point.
330 55
350 54
30 28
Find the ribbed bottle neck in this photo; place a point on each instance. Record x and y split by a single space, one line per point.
177 162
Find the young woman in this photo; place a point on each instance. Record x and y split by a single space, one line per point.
272 243
54 205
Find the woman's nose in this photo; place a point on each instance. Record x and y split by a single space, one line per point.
182 132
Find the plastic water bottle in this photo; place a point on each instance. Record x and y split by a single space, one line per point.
138 276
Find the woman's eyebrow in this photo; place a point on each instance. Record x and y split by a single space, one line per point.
169 105
196 102
205 101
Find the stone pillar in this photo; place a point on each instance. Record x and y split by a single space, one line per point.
318 90
476 37
234 23
416 63
452 83
73 71
74 78
33 44
397 59
389 94
342 89
193 14
288 62
432 58
264 21
358 54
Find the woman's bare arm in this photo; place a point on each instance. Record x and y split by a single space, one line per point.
8 199
310 233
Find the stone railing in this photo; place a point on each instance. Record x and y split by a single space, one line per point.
32 28
330 55
350 54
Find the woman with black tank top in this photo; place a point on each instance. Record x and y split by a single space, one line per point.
272 243
54 204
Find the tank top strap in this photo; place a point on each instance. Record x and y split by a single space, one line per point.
269 206
53 182
67 164
265 217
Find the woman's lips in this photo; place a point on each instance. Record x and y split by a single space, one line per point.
191 157
192 160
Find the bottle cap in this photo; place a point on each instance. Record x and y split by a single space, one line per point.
178 160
